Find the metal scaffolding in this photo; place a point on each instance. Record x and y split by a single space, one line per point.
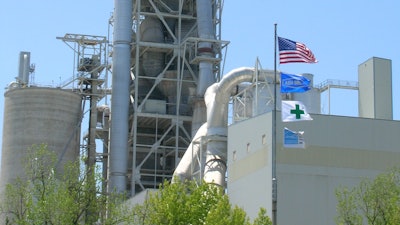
161 103
90 80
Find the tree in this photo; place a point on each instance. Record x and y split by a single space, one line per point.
376 201
190 203
47 197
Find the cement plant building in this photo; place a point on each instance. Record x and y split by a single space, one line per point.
168 116
339 151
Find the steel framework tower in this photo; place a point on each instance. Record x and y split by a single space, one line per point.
90 81
176 51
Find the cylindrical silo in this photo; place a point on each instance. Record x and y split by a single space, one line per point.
39 116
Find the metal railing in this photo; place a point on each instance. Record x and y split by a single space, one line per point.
343 84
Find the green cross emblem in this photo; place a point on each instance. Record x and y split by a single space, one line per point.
297 111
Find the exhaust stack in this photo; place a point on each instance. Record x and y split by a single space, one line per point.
24 68
205 49
118 151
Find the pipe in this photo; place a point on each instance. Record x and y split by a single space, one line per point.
206 76
217 100
24 68
118 152
184 169
205 31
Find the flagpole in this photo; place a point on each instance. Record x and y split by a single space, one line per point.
274 180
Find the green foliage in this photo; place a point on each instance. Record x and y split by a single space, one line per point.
46 196
189 203
262 218
374 201
347 210
17 202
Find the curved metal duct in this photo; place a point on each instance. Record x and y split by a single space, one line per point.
217 99
185 167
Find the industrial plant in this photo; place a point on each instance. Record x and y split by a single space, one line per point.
149 103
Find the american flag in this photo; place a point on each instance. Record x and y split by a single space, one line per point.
294 52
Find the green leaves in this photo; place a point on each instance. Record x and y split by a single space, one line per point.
374 201
190 203
45 196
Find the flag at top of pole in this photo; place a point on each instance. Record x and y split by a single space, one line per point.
294 52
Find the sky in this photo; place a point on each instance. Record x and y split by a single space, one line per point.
342 34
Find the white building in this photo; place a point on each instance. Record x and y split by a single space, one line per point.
339 151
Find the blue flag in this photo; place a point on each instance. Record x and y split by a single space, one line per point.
294 83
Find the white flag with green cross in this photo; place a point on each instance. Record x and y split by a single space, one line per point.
294 111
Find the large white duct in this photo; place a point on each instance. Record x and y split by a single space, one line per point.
217 99
206 78
185 167
118 152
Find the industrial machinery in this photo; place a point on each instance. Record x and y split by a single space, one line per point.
165 55
161 69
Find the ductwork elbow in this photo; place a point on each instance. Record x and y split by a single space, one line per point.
184 170
217 100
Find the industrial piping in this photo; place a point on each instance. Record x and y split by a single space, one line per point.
217 100
184 170
206 77
118 151
205 31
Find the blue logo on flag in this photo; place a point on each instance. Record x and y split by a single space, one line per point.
291 83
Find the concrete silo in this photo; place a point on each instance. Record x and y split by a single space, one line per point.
36 115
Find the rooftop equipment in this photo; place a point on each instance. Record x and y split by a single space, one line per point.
24 68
